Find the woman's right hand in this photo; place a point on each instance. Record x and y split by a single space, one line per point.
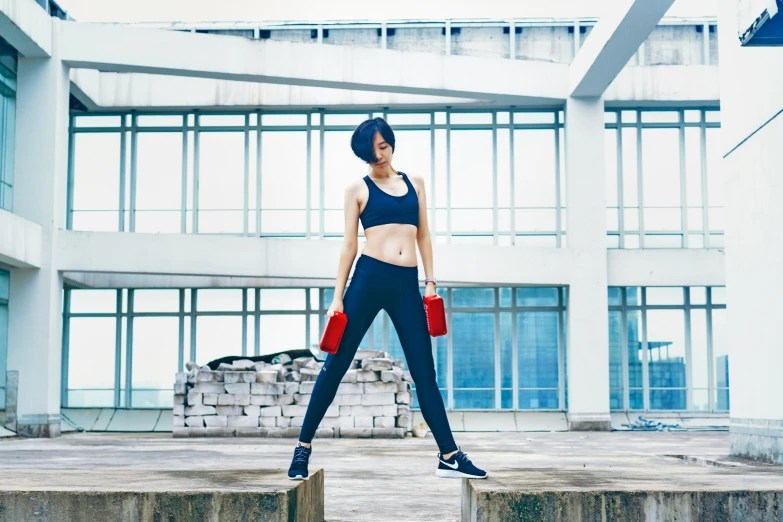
337 306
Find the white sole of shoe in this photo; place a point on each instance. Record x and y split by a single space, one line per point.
299 477
447 473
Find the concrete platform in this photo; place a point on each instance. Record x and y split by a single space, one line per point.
656 489
145 495
394 480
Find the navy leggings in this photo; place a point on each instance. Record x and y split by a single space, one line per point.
378 285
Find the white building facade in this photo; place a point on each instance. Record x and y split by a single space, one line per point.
172 191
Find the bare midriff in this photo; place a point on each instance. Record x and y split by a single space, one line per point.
393 243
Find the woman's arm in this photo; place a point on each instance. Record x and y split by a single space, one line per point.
423 235
349 248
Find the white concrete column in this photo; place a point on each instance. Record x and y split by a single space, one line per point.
35 302
751 134
588 316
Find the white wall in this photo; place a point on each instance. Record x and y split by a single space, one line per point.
752 101
20 241
350 10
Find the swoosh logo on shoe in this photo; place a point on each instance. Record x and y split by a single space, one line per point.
455 466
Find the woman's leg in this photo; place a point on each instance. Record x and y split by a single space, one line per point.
361 305
407 314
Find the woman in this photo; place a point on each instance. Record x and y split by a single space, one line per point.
393 210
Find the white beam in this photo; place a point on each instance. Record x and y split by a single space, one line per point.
20 241
27 27
612 42
672 85
123 49
134 90
230 256
104 280
116 260
84 87
680 267
252 11
679 85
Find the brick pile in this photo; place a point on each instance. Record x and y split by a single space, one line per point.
257 399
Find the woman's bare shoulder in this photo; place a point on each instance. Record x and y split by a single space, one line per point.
356 189
417 180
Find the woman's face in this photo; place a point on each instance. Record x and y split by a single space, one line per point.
383 152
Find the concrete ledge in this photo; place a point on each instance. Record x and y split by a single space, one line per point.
152 495
589 422
758 439
692 493
38 426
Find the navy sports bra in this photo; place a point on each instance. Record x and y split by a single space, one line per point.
383 208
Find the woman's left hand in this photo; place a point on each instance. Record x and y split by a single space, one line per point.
430 290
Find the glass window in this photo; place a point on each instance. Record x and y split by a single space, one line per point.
93 301
158 181
282 332
345 119
219 300
218 336
661 178
155 354
273 120
699 361
7 152
471 169
97 176
693 167
473 348
221 120
91 357
3 351
615 296
283 171
610 164
98 121
341 167
660 117
537 339
537 296
412 155
472 297
283 299
156 301
506 361
504 178
630 179
534 168
635 360
505 297
221 183
718 295
666 349
615 360
716 178
664 295
698 295
408 119
159 121
720 350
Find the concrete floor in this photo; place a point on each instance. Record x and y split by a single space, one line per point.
393 480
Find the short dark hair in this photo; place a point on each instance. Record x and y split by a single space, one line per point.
363 136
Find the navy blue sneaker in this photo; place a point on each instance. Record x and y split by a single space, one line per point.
458 466
298 469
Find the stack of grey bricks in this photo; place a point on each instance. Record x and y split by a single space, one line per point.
247 399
